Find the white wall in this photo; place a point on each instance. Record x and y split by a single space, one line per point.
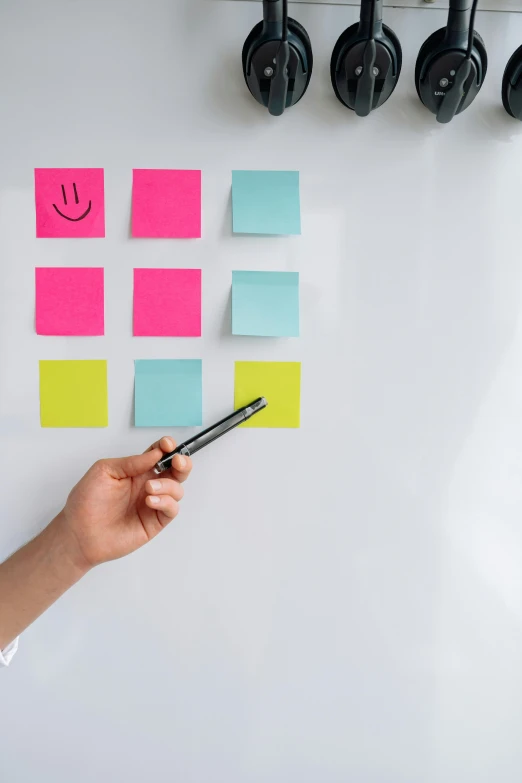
340 603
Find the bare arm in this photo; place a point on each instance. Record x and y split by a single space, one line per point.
33 579
115 509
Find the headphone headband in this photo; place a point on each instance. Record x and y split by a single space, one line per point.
273 12
370 18
459 22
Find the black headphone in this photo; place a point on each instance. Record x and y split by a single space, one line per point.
277 59
366 61
512 85
452 63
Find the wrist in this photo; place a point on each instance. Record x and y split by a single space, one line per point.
64 549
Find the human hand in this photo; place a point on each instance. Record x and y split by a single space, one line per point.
120 505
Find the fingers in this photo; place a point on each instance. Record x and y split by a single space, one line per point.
163 496
165 505
181 467
166 444
161 487
130 467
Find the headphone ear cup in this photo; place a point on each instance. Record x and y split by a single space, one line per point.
299 41
397 46
349 37
296 29
254 33
428 47
342 41
480 46
513 63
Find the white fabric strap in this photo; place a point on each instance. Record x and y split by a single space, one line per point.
7 654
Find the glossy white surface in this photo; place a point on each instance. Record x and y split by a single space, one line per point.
341 603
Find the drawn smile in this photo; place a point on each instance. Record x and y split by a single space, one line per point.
74 220
76 199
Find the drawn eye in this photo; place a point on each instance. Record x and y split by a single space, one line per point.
76 201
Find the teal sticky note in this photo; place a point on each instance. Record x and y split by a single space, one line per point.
266 202
265 304
167 392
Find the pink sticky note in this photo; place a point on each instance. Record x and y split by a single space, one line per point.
69 301
166 203
167 302
69 203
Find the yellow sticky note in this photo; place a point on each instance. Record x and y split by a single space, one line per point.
279 382
73 394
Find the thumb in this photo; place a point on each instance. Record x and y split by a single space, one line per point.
130 467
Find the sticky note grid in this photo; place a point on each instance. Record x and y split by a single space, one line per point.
167 302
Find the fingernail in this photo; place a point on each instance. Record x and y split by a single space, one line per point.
155 486
154 500
182 461
170 444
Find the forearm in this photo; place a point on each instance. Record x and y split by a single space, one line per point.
34 578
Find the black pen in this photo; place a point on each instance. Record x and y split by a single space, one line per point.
205 437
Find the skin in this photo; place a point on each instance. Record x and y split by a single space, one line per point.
116 508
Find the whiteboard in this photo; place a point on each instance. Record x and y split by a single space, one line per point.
338 603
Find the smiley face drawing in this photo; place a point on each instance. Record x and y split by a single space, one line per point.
76 201
69 203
